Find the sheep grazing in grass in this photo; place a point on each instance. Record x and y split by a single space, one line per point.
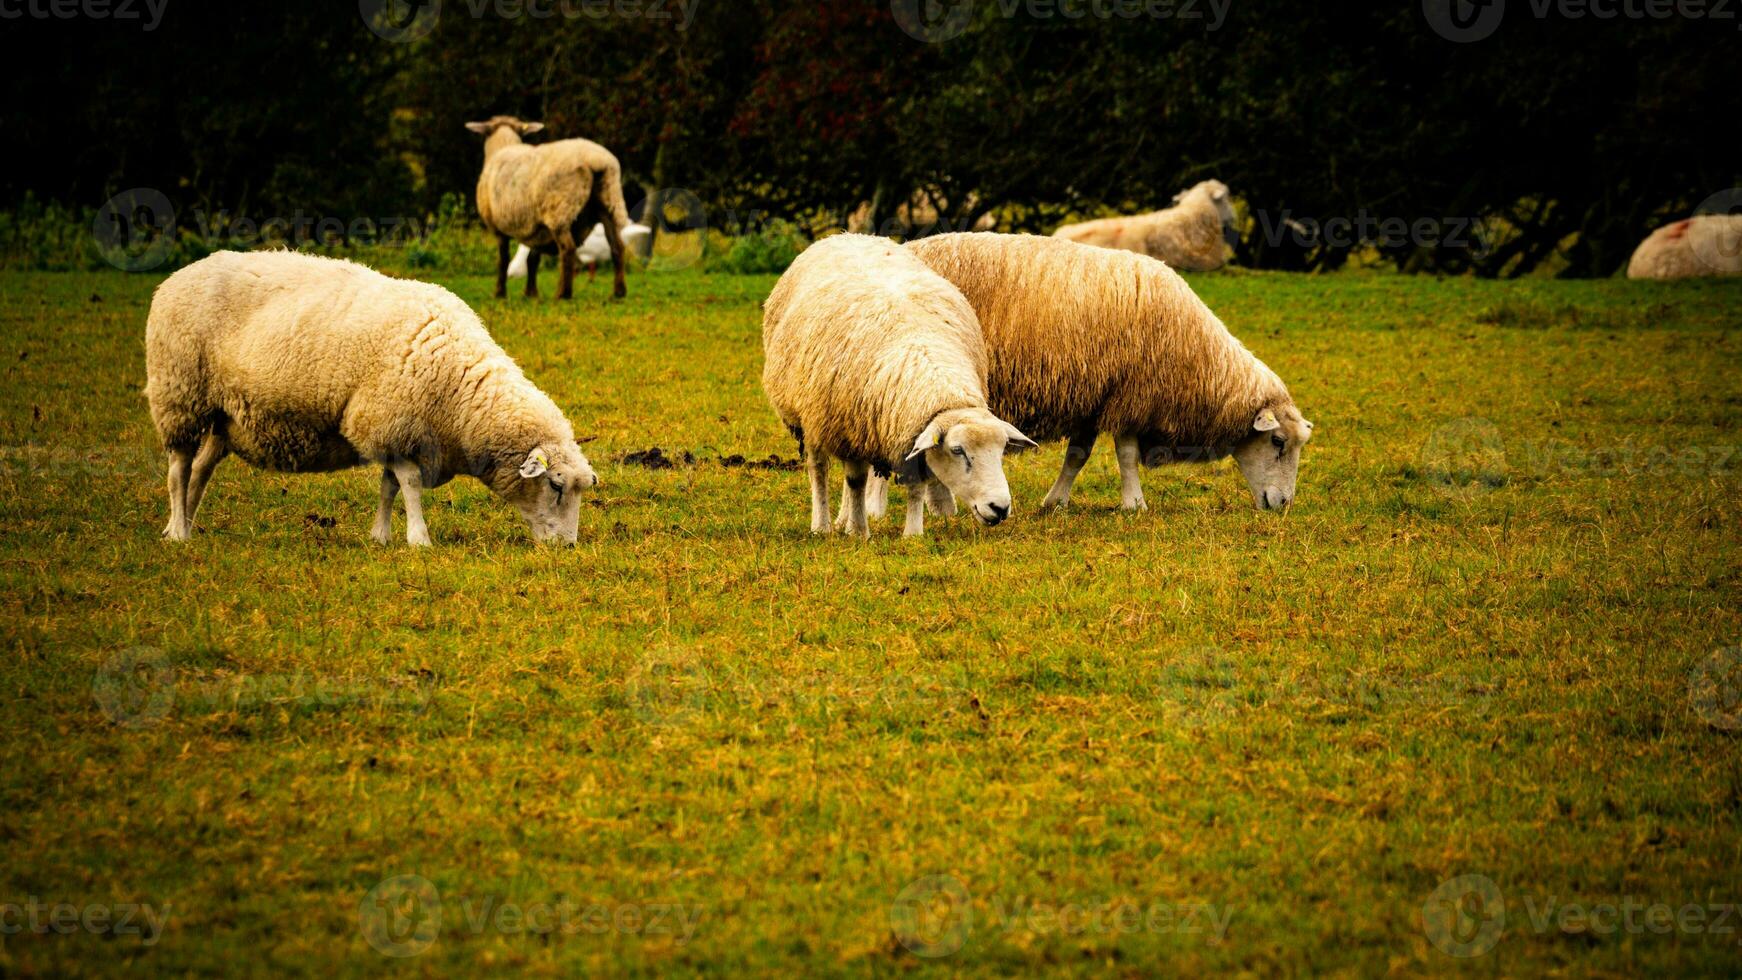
874 360
1704 245
305 364
637 238
1082 341
1192 236
544 196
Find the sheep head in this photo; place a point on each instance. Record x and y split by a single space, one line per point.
965 449
548 491
1269 456
501 131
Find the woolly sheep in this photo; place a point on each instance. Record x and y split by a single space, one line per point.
637 238
1191 236
1084 340
305 364
874 360
1704 245
543 195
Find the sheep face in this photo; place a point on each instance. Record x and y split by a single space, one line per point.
965 451
548 492
1269 457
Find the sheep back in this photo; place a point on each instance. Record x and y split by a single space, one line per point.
1704 245
527 192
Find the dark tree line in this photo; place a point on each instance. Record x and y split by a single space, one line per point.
1558 137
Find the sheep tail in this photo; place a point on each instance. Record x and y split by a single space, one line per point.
611 195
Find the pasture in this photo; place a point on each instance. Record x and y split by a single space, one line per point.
1483 654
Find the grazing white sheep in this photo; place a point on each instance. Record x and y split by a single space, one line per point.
1086 340
874 360
637 238
1193 235
542 196
1704 245
305 364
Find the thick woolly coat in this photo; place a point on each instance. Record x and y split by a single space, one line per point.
1084 340
1188 236
1704 245
312 364
864 346
529 192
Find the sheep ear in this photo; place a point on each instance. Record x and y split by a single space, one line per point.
531 127
1016 441
1265 421
536 465
927 439
479 127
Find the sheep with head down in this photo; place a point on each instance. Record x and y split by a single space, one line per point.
303 364
1192 236
1081 341
873 359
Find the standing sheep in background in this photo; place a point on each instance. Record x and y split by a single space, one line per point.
543 196
1192 236
637 238
871 358
304 364
1704 245
1082 341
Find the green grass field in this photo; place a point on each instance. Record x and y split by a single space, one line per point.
1487 641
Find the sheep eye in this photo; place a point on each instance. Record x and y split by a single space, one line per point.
959 451
1279 442
559 490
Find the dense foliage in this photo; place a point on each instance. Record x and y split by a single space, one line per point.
1556 140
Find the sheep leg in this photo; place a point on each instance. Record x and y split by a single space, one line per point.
915 515
212 452
1076 456
180 462
817 465
565 250
877 498
501 266
411 481
614 238
939 499
532 258
382 532
857 475
1130 479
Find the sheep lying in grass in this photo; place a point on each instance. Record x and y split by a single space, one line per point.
542 196
1704 245
305 364
874 360
1193 235
1082 341
637 238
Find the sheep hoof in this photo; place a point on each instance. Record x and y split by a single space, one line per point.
1135 506
418 540
382 536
